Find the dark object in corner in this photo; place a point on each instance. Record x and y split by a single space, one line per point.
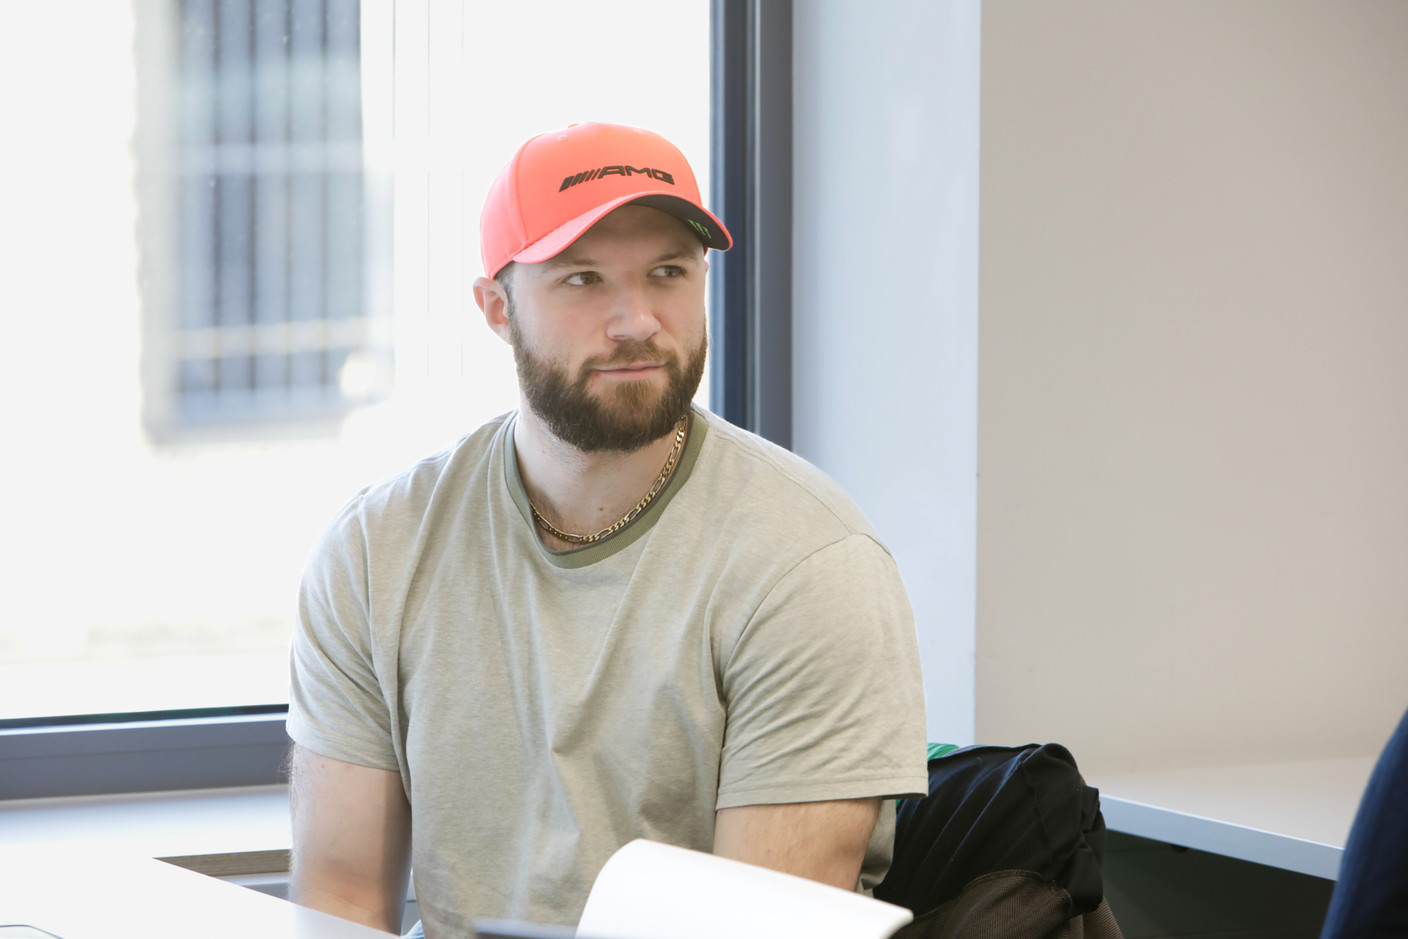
1371 896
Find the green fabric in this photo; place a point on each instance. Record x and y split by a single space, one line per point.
937 750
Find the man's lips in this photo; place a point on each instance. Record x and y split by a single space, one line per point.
629 369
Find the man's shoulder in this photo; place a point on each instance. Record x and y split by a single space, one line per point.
774 480
414 489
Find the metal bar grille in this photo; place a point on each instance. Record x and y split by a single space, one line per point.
272 301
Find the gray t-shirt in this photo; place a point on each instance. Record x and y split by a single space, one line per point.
745 640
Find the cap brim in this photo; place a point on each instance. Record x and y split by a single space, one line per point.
706 227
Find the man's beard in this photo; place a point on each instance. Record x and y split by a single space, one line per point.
624 418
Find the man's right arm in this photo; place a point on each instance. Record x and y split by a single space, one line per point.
351 839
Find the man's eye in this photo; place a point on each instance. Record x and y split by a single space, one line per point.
580 279
669 270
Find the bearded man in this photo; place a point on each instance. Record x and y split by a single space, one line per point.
607 615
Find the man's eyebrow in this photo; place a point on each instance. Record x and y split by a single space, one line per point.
567 259
681 252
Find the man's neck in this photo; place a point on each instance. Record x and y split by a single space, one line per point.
577 491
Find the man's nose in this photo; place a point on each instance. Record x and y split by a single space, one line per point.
632 316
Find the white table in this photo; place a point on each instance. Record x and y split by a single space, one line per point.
91 890
227 832
1294 815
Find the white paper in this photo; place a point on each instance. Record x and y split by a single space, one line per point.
656 891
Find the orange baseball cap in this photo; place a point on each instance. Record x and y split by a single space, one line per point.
563 182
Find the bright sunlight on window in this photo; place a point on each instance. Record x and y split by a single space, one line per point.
239 238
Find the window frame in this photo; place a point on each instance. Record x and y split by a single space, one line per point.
751 182
750 294
184 752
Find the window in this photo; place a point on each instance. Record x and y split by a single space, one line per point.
226 323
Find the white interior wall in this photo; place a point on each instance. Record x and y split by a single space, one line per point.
1193 507
1192 527
885 298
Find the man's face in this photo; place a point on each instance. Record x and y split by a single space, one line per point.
609 336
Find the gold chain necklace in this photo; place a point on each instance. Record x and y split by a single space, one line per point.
681 429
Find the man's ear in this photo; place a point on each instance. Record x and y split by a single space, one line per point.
493 301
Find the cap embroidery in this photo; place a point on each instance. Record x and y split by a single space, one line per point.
621 170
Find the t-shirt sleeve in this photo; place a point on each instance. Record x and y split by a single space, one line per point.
336 703
823 688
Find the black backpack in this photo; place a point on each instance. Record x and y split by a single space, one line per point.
1008 843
